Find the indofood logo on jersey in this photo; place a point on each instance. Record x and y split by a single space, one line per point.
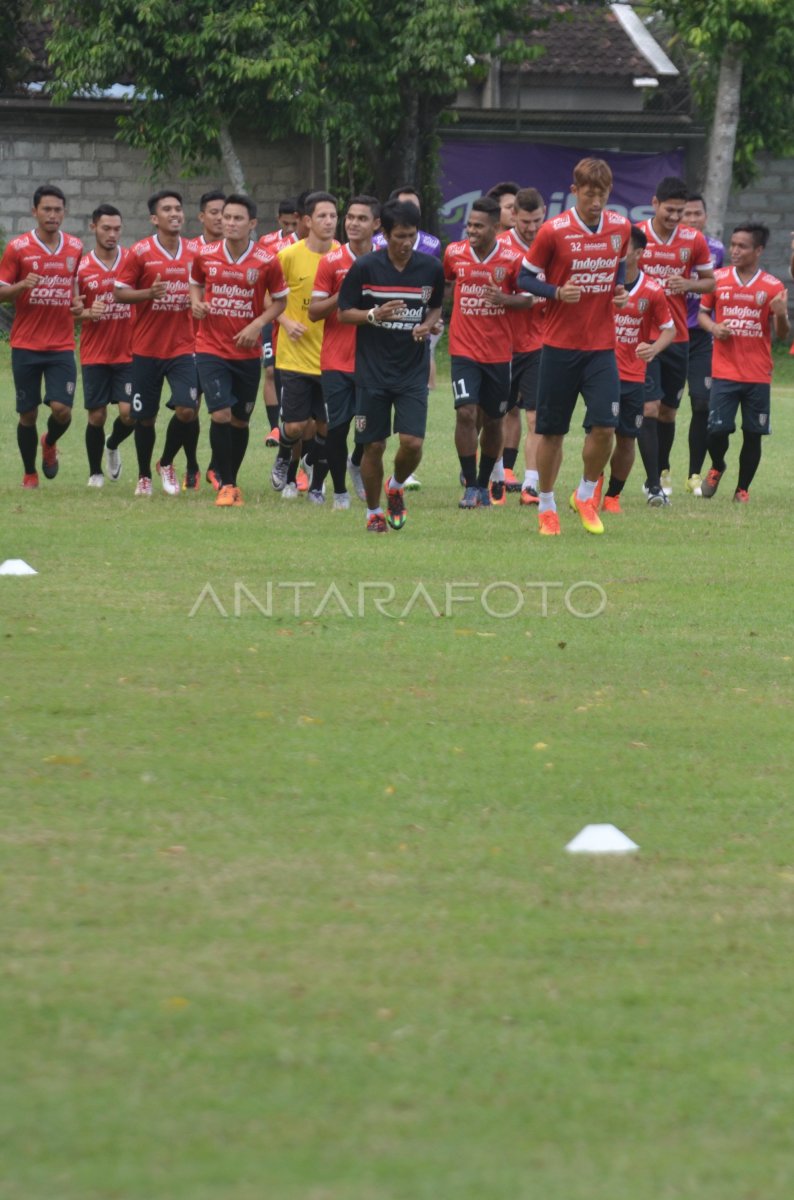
251 275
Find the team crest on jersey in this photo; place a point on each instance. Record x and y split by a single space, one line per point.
70 262
427 292
499 274
361 424
761 298
251 275
616 240
685 253
642 304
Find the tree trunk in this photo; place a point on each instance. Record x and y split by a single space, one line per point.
231 161
722 142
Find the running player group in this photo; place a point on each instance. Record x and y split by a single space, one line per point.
543 311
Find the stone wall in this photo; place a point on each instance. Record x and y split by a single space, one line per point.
769 200
76 149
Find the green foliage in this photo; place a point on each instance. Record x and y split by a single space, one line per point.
14 57
762 31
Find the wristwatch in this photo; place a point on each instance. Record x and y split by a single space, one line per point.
373 320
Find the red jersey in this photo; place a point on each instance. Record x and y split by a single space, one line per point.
527 323
338 351
568 251
108 340
746 356
646 312
684 252
164 327
269 240
236 292
42 320
479 330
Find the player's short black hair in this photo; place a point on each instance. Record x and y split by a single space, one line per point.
671 188
163 194
487 205
243 201
104 210
47 189
529 199
208 198
370 202
288 205
758 232
695 198
300 202
399 212
638 238
405 189
505 188
315 198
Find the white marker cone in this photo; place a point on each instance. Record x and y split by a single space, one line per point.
16 566
601 839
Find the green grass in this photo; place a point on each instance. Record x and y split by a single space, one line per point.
287 912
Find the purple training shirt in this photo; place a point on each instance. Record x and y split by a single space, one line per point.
693 298
426 243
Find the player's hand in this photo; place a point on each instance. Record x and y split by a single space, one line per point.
621 297
158 288
30 281
200 310
721 332
77 307
293 329
247 338
97 310
493 294
438 328
676 283
646 351
778 305
392 308
421 333
569 293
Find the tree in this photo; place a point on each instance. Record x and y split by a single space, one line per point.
371 82
741 64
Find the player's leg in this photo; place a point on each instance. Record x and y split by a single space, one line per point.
319 456
245 389
755 426
60 380
410 424
622 460
372 423
339 393
699 384
512 438
123 425
28 374
673 368
184 401
726 396
148 375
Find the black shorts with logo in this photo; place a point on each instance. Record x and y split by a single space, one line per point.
55 368
567 374
373 420
666 376
106 383
301 398
339 392
485 384
524 381
148 377
229 383
727 396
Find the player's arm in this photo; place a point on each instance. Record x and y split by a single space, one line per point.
648 351
499 299
8 270
428 326
778 310
128 295
372 316
717 329
322 306
198 307
248 337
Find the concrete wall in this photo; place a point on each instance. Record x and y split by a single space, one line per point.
769 200
77 150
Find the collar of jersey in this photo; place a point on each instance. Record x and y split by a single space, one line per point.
242 257
163 250
102 266
584 224
750 282
46 249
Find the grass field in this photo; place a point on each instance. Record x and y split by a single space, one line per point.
287 912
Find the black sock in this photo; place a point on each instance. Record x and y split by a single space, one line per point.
648 443
357 455
119 434
144 448
320 463
718 448
55 430
615 486
749 458
309 451
190 437
272 415
336 453
484 472
174 436
221 443
285 443
28 440
468 465
240 435
698 440
94 445
292 473
666 433
509 458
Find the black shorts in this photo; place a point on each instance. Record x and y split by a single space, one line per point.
301 398
268 357
726 397
666 376
56 368
229 383
106 383
373 420
699 369
339 392
485 384
567 374
148 377
524 381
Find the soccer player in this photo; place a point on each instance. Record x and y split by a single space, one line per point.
679 258
229 284
290 218
645 314
699 368
746 305
210 219
38 272
105 345
480 343
156 276
530 213
394 298
582 256
287 220
298 353
338 353
505 193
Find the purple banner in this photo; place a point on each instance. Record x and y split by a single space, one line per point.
469 168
